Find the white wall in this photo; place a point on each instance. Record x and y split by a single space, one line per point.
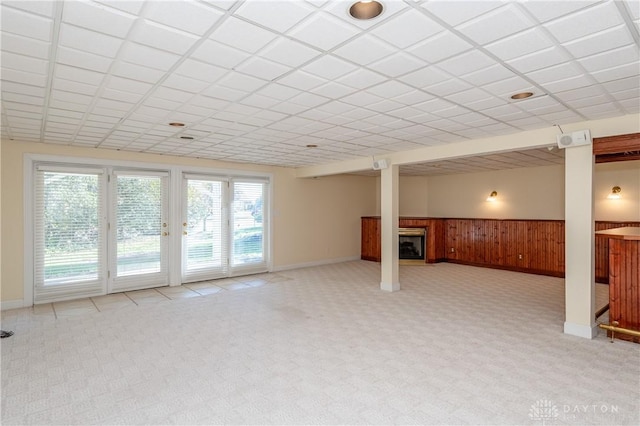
524 193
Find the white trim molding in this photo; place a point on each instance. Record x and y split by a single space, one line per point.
5 305
314 263
581 330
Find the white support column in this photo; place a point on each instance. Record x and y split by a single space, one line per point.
579 243
389 188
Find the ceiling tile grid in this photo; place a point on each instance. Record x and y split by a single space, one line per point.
257 81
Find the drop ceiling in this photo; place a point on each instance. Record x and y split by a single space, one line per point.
258 81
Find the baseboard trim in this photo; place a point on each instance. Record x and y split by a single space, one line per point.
314 263
5 305
581 330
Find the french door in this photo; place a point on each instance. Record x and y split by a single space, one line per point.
139 230
98 231
224 231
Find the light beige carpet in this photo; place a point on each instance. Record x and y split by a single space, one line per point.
323 345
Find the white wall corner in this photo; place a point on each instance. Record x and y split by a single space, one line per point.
5 305
581 330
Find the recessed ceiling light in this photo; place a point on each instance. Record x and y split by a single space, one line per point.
365 9
311 145
522 95
176 124
186 137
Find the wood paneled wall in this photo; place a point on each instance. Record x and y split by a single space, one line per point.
624 279
533 246
602 249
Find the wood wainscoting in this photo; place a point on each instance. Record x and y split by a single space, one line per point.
532 246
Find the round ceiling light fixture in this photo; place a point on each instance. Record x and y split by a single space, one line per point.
312 145
187 137
176 124
365 9
522 95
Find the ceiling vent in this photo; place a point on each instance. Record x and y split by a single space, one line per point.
581 137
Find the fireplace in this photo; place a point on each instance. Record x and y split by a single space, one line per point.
412 244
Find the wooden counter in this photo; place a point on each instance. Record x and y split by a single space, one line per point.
624 278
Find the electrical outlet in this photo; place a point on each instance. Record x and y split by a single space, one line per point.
520 257
453 250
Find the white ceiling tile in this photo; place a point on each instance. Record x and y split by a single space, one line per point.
488 75
23 77
397 64
80 59
128 85
185 84
425 77
25 24
187 16
98 18
468 96
498 23
148 56
612 58
156 35
220 55
24 45
630 83
520 44
74 86
585 22
412 97
137 72
308 99
119 95
89 41
276 15
362 99
242 35
329 67
455 13
224 93
361 78
394 31
340 8
160 103
324 31
466 63
200 71
555 73
76 74
547 10
302 80
130 6
439 47
600 42
618 73
23 63
43 8
333 90
538 60
385 106
262 68
448 87
365 49
235 80
278 91
288 52
585 102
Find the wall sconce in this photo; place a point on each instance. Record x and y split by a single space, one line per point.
615 193
493 196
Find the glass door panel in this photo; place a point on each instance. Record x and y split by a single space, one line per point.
248 225
70 239
140 232
204 254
